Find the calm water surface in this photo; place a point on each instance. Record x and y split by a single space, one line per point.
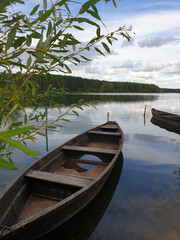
142 198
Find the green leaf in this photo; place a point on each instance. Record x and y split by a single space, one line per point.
98 32
85 7
40 43
29 61
60 3
67 8
7 165
45 4
18 42
51 127
106 47
59 125
42 134
12 110
11 36
54 57
77 114
49 30
47 42
94 14
34 10
33 91
99 51
38 56
28 23
28 40
14 132
114 3
20 64
5 107
68 69
66 120
85 58
77 27
109 40
84 20
76 59
25 118
45 15
18 145
4 4
14 20
36 35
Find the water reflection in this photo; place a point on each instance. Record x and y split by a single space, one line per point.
123 98
146 204
81 226
164 126
141 208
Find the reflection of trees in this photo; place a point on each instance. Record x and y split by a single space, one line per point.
81 226
74 98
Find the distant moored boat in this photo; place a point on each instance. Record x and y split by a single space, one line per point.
166 120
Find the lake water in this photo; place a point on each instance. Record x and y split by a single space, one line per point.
141 200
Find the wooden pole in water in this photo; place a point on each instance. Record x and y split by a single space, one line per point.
46 131
145 110
107 116
145 115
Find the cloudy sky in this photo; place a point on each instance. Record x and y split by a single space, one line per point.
152 56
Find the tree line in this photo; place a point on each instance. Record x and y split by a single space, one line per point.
79 84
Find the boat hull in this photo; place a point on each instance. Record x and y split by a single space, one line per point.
77 196
169 121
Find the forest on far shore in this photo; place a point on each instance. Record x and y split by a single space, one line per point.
79 84
74 84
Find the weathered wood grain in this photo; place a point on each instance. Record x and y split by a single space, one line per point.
88 149
58 178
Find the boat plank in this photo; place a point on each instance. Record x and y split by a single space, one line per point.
105 133
73 173
58 178
89 149
91 174
109 126
91 162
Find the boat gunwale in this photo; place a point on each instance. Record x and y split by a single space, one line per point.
165 115
67 201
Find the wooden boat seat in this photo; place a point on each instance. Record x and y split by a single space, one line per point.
90 162
105 133
58 178
109 126
89 149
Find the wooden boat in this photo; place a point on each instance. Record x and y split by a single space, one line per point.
166 120
56 187
84 223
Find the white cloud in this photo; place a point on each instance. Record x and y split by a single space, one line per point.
173 68
127 43
149 67
126 64
141 77
158 41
